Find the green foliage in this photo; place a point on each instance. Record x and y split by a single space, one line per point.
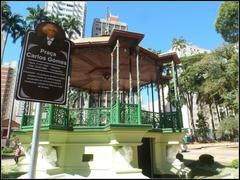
218 71
55 19
7 150
11 171
179 44
5 11
36 16
70 25
202 125
157 52
235 163
179 156
12 23
17 27
172 99
227 22
206 159
187 61
228 127
76 96
190 78
212 76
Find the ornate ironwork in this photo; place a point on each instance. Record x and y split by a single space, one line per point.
28 120
90 116
169 120
97 117
60 116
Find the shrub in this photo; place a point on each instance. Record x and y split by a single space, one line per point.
228 128
179 156
235 163
206 159
7 150
203 126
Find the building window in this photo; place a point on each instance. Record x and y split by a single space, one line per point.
69 5
4 133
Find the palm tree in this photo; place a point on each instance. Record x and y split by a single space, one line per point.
11 24
71 25
36 16
179 44
5 10
56 19
18 28
22 31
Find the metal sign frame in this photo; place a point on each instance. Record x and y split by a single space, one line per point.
24 68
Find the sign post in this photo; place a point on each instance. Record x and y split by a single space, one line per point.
43 75
35 139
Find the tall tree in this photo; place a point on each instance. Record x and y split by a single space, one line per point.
21 32
202 125
71 25
5 11
56 19
157 52
11 24
17 27
219 84
36 16
189 81
227 22
222 71
179 45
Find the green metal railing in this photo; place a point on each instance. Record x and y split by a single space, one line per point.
27 120
57 117
89 117
128 114
166 120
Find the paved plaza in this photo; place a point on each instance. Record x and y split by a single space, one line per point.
223 152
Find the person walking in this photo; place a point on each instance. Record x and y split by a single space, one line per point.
17 154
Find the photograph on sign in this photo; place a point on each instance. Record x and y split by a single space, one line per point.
43 75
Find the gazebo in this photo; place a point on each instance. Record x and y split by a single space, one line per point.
116 138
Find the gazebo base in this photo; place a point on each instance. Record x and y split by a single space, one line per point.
114 152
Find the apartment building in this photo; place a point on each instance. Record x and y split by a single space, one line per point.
105 26
8 78
189 50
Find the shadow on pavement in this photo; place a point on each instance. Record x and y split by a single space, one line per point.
203 170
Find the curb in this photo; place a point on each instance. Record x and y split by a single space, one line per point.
199 146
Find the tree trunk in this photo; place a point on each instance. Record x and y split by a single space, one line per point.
5 43
213 126
190 108
218 115
227 111
79 99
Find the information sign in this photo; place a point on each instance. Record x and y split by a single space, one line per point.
43 75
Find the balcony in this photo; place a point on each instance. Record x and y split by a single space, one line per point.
61 118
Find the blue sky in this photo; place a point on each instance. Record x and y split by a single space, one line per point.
159 21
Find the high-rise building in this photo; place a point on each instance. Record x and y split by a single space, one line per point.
8 78
105 26
69 8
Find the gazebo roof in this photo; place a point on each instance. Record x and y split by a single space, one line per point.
91 61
